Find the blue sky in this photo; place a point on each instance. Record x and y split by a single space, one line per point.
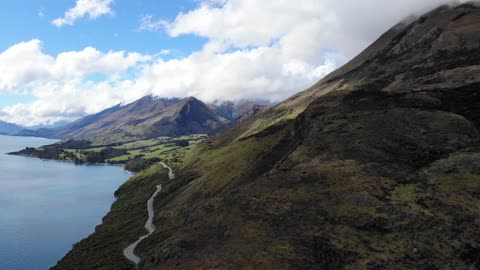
32 20
23 20
62 60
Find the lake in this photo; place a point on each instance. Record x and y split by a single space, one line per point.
47 206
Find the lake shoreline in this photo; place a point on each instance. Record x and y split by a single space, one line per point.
38 199
69 161
73 162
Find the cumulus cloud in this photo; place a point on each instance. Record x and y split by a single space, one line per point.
254 50
256 73
347 26
24 63
63 84
64 100
84 8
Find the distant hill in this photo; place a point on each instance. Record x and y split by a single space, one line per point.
49 126
7 128
60 131
42 132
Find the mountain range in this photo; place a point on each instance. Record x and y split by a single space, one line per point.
12 129
151 117
7 128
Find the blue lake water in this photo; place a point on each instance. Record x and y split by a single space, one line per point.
46 206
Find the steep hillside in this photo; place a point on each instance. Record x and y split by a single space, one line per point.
375 167
189 116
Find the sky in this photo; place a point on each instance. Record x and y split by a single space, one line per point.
62 60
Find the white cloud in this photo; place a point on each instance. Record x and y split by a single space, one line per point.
254 49
90 8
62 83
345 25
64 100
148 24
255 73
90 60
24 63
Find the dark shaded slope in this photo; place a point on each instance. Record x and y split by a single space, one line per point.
190 116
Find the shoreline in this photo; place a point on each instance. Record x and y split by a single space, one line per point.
63 182
69 161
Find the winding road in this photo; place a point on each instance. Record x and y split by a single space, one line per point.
129 252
